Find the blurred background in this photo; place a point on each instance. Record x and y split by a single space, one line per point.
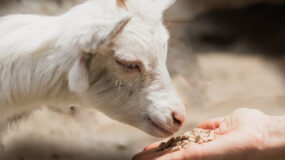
223 55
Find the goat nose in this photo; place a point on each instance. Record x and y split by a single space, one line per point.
178 118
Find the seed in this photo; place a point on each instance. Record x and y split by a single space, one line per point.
197 135
162 146
170 141
176 148
197 138
178 143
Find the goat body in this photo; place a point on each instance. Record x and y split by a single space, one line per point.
108 54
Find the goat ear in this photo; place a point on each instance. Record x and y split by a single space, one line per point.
114 31
78 79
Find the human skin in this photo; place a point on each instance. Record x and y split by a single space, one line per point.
246 134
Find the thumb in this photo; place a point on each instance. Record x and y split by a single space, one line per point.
211 124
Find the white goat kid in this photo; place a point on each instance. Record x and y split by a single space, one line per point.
108 54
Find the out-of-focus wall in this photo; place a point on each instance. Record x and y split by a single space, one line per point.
186 9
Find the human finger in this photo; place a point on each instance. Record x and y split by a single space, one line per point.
211 124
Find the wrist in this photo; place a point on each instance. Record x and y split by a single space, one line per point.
274 137
276 131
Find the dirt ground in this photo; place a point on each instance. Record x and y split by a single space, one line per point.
213 74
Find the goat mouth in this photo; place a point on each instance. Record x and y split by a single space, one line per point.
159 127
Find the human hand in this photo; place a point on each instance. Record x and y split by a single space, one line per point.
246 134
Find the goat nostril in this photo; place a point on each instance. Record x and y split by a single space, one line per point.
178 118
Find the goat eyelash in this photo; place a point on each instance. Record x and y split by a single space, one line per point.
130 66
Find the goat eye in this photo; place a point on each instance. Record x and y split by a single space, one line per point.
129 65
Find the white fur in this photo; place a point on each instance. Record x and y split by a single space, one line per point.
70 59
